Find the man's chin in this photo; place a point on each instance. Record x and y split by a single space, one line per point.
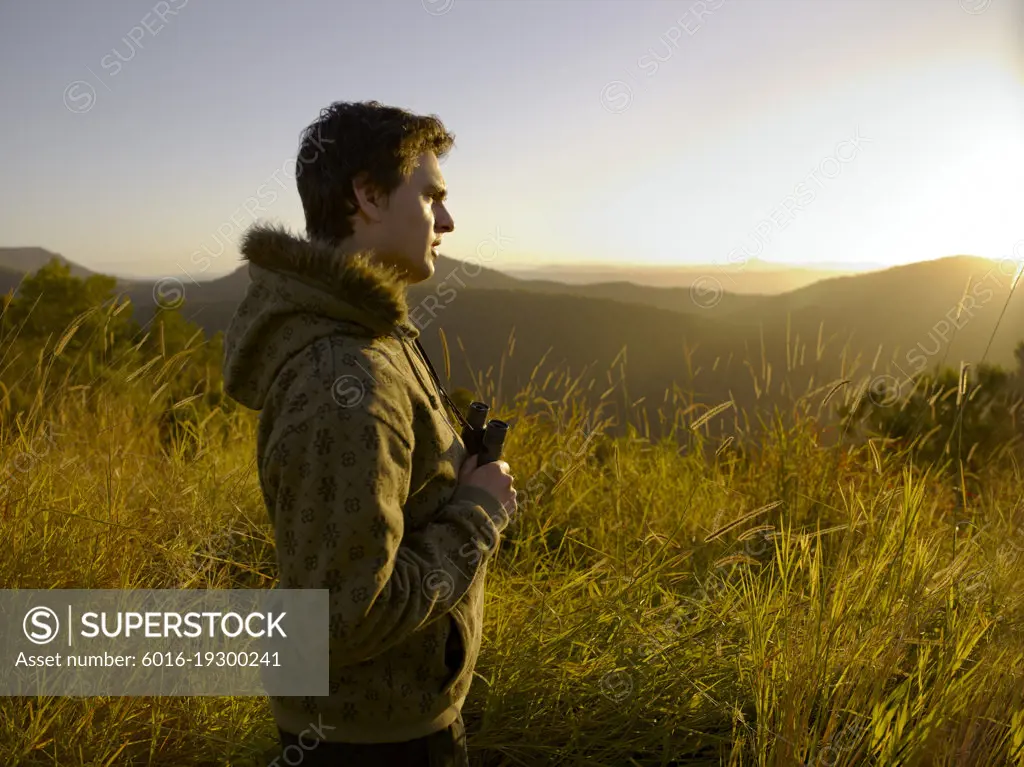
422 271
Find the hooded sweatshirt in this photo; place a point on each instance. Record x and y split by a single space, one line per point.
358 463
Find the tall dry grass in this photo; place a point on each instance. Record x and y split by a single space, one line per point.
699 600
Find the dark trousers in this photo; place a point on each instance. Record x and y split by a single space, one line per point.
445 748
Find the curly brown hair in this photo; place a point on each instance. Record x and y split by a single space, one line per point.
359 140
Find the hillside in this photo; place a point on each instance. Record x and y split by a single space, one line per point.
752 277
751 349
836 299
912 311
26 260
812 583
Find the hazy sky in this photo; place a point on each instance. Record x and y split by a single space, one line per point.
799 131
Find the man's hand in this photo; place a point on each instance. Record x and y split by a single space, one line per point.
493 477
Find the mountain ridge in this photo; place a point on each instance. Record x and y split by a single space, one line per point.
743 348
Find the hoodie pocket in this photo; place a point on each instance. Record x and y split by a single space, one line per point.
456 648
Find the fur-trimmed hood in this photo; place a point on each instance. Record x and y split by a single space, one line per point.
377 292
300 291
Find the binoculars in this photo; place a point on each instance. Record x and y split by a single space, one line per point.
483 441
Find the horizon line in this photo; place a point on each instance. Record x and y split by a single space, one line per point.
611 266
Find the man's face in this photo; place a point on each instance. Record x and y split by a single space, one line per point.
404 229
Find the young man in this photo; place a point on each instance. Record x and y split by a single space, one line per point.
361 467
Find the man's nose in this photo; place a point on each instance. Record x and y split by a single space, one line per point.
444 223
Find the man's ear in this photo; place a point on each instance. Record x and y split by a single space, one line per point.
371 201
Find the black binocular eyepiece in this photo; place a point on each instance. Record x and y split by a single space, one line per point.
483 441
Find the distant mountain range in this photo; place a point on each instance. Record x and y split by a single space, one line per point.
26 260
752 277
15 263
715 341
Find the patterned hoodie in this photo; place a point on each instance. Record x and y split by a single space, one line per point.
358 464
